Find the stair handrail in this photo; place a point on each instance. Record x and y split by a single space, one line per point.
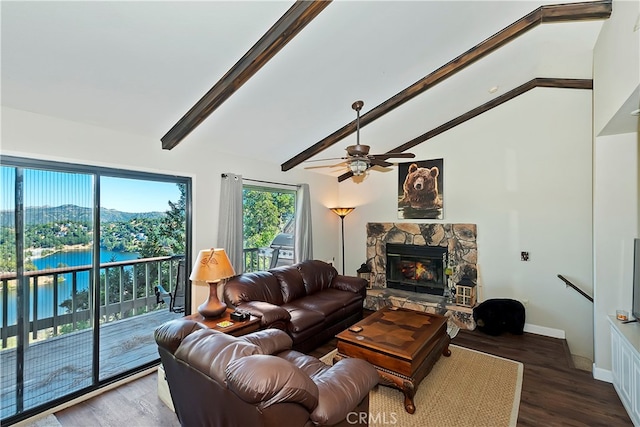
580 291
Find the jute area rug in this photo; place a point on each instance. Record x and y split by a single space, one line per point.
467 389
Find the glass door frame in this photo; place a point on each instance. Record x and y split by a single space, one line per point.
97 172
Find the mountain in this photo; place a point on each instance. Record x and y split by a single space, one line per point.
47 214
112 215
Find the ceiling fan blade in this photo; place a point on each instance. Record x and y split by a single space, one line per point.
379 162
325 160
341 164
394 155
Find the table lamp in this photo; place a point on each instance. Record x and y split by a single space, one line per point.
212 266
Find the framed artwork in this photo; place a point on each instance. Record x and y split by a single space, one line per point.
420 189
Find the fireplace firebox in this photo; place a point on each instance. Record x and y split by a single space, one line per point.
416 268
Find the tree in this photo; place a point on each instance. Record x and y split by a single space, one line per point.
265 213
173 225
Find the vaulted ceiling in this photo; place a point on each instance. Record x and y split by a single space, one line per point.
138 67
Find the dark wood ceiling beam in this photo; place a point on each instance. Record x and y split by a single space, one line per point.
281 33
550 13
531 84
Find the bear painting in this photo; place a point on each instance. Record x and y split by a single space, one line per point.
420 189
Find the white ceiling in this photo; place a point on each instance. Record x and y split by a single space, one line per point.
138 67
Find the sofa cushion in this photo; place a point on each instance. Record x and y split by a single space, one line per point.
319 302
256 286
341 298
316 275
309 364
302 318
265 380
332 304
290 280
210 351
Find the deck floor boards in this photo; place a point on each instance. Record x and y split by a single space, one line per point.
62 365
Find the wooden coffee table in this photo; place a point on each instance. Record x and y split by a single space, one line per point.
403 345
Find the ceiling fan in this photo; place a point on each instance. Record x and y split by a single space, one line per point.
358 158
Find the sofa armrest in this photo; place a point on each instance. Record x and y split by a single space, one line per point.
170 334
349 284
270 341
265 380
269 314
341 388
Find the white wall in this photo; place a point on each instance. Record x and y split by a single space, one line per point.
42 137
522 173
616 182
616 61
615 217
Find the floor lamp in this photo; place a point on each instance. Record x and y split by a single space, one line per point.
342 212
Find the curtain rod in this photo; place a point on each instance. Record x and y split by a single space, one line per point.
224 175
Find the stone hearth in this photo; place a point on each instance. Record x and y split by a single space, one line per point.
458 315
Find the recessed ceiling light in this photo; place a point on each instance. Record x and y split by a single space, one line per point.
494 89
636 112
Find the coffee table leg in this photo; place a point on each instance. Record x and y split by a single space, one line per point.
445 351
409 392
407 387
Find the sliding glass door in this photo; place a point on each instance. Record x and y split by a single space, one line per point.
48 211
142 243
83 253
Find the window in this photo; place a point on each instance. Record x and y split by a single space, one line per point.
268 227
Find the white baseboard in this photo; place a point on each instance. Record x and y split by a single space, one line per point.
602 374
543 330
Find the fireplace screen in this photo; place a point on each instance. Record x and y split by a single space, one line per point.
416 268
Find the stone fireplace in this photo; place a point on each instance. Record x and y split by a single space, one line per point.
396 255
459 240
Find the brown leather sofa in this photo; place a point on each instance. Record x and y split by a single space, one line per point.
309 300
257 380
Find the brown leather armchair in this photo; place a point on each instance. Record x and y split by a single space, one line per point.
257 380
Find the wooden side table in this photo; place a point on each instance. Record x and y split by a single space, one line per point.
237 329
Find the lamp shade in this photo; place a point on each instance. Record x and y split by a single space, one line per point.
212 265
342 212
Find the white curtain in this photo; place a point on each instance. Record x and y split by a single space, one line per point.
230 219
303 246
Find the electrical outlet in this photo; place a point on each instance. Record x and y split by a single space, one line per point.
524 256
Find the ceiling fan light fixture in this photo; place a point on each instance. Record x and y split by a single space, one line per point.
358 167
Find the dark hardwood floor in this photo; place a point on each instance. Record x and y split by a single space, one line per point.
554 393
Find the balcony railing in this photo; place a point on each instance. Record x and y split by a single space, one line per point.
259 259
126 289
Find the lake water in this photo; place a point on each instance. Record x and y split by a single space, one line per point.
45 291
